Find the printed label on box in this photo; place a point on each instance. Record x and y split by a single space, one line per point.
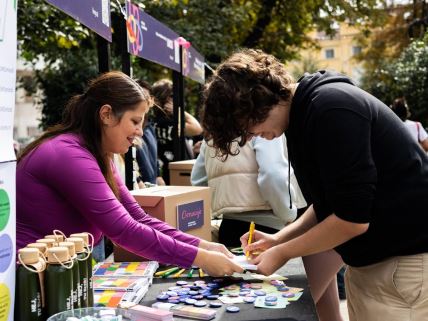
190 215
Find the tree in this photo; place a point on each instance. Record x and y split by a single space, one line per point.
405 76
385 54
214 27
410 73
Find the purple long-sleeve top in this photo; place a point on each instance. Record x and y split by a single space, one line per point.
60 186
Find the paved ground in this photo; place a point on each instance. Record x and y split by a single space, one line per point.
295 266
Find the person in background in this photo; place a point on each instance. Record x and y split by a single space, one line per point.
249 187
66 180
364 176
163 123
400 108
16 147
147 153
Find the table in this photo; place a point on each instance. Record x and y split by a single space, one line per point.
301 310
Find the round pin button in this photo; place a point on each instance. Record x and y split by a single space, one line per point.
259 293
249 299
162 297
232 309
288 295
190 301
200 304
215 304
271 298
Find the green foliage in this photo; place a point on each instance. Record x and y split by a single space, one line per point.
45 32
214 27
405 76
410 72
60 82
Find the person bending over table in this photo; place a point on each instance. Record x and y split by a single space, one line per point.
66 180
356 163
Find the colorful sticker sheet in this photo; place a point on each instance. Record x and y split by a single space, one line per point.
119 284
128 269
109 298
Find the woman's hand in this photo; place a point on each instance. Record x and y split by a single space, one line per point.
217 247
215 263
270 260
260 241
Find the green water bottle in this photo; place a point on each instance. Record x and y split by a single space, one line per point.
88 248
28 294
58 281
81 256
75 270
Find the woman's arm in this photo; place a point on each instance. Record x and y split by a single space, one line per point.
85 188
192 126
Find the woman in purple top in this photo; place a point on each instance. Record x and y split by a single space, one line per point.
66 180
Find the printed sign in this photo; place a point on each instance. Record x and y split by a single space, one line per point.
150 39
190 215
8 36
193 65
94 14
7 238
7 77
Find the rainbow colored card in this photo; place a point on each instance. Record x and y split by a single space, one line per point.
126 269
119 283
109 299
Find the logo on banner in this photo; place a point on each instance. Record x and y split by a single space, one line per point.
190 215
133 28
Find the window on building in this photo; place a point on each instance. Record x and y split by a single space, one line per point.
329 53
356 50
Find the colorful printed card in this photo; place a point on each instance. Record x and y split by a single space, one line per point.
112 299
119 284
109 299
126 269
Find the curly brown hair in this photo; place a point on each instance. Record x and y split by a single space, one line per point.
240 94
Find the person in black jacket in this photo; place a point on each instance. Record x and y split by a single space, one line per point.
356 163
163 124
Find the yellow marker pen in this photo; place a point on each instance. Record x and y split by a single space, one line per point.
179 273
170 272
201 273
250 236
160 273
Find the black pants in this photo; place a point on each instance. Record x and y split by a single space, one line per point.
231 230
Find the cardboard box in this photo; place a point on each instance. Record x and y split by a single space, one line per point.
179 172
187 208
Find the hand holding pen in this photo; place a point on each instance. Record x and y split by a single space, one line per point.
259 242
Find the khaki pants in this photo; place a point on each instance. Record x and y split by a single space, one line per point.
392 290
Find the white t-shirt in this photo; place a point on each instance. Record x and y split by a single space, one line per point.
416 130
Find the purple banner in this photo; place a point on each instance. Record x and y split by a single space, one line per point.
190 215
150 39
193 65
94 14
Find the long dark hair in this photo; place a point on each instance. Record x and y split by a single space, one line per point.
81 116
